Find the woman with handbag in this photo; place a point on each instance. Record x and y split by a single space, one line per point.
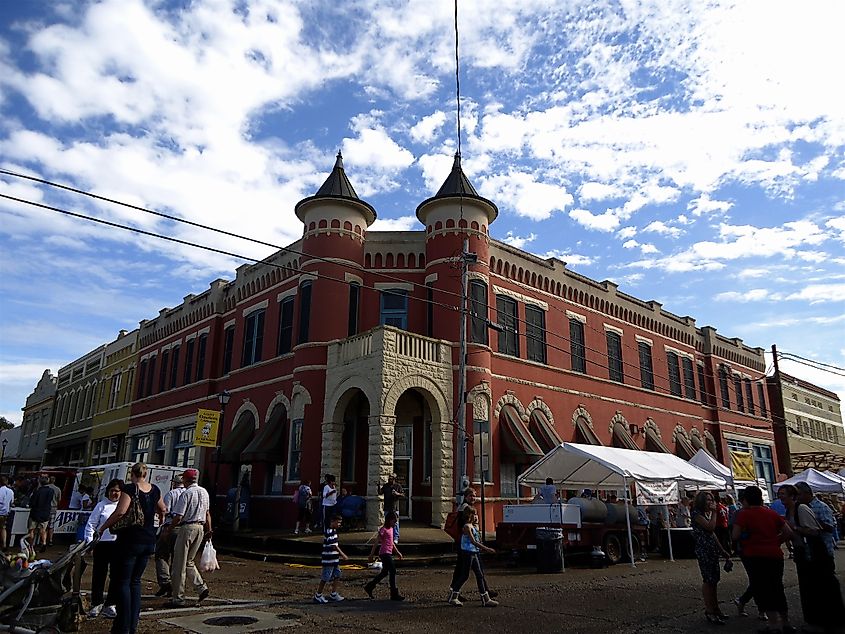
132 522
818 587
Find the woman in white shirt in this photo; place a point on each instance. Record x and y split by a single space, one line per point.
103 550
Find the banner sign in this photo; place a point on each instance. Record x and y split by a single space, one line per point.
657 493
205 435
742 466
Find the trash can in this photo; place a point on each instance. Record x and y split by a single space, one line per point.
549 550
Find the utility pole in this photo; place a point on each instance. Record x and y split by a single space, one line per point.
779 419
462 370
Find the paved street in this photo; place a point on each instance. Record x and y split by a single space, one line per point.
658 596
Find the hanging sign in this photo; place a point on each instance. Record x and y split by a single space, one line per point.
657 493
205 434
742 466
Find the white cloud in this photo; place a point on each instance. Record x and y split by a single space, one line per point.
753 273
820 293
521 192
658 226
427 128
571 259
705 205
630 244
648 248
405 223
607 221
754 295
626 232
519 241
598 191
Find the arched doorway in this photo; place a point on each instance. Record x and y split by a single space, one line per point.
354 443
268 451
412 455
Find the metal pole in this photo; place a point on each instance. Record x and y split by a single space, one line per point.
779 420
462 371
669 534
483 482
220 427
628 521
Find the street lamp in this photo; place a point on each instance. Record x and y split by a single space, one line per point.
3 453
223 397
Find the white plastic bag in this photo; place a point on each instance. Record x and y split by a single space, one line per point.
208 559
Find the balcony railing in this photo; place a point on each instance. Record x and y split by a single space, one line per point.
389 340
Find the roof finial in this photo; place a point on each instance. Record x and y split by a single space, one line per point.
339 162
457 163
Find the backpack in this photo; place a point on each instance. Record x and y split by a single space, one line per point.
296 496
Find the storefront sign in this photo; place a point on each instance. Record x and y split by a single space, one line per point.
205 435
657 493
742 466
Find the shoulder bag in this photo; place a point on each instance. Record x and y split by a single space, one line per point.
134 515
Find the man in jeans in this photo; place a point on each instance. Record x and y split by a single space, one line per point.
192 523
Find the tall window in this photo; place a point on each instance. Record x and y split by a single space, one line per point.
127 390
481 450
174 366
304 312
285 325
478 311
689 378
162 375
183 449
429 309
723 387
674 373
646 368
702 385
228 345
354 300
576 345
253 338
201 347
507 318
761 398
749 395
151 372
535 333
740 401
141 448
394 308
115 389
142 375
188 376
614 356
295 451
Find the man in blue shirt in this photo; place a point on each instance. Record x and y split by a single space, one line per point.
823 513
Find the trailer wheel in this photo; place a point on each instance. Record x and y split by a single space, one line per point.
635 542
612 548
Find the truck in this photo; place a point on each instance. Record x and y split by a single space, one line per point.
68 521
583 525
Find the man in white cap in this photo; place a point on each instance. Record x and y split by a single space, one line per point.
167 538
192 523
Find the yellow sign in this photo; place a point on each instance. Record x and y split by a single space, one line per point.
742 465
205 435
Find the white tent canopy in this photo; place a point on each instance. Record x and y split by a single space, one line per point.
704 460
577 466
819 481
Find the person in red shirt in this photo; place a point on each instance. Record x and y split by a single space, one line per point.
760 532
722 532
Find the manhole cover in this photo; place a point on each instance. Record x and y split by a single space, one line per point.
228 621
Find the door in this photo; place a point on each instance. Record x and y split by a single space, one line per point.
403 452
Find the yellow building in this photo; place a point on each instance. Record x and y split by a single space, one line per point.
114 397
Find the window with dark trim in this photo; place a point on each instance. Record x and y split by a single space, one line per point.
507 317
689 378
761 398
285 325
646 367
354 300
674 367
174 367
723 387
151 372
749 396
187 375
228 346
253 338
142 376
740 401
394 308
535 333
614 356
429 309
304 312
577 349
478 312
295 450
162 375
702 386
201 347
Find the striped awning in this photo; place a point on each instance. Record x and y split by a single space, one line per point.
517 443
622 437
543 431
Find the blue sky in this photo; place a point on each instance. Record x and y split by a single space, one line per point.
690 151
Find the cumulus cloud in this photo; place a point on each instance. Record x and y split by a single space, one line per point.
405 223
518 241
427 128
658 226
754 295
607 221
591 191
571 259
523 193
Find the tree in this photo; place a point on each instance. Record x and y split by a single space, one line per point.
5 423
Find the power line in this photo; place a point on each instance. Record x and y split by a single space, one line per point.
814 367
794 357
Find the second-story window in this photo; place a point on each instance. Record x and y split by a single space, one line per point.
253 338
689 379
577 349
304 312
740 400
535 333
723 387
508 320
188 375
646 367
674 368
614 357
285 325
201 347
162 375
228 345
394 308
749 395
174 366
478 312
115 389
702 386
142 375
151 372
761 398
354 301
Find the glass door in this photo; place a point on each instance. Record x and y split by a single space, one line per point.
403 439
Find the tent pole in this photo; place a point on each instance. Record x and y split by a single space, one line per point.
628 521
669 534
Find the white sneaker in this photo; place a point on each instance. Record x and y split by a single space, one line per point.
109 612
296 532
95 611
334 596
308 530
319 598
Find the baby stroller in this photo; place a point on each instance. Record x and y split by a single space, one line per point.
45 597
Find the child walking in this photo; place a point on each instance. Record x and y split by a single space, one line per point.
386 548
332 554
468 560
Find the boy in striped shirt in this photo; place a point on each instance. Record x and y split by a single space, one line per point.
332 554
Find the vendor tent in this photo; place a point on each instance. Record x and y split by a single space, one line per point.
704 460
576 466
819 482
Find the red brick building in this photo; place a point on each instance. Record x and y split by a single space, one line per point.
341 355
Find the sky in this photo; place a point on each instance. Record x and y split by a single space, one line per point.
691 151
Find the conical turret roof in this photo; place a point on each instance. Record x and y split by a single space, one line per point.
337 186
457 185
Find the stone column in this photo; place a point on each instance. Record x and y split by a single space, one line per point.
331 453
442 475
379 465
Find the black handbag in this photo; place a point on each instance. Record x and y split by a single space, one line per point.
134 515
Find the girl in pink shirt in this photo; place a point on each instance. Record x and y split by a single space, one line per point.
386 548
